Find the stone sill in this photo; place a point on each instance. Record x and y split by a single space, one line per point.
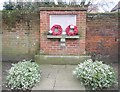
73 37
60 60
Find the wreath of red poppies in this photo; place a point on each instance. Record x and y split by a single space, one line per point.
58 28
73 32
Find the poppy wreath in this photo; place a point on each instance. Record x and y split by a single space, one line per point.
71 30
56 30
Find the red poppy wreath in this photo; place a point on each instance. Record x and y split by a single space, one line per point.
56 30
71 30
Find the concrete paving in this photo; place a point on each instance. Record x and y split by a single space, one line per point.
54 77
58 77
0 77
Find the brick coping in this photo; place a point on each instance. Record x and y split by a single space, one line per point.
63 8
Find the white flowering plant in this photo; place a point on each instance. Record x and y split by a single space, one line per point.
95 75
23 75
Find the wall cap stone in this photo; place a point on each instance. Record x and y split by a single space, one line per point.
63 8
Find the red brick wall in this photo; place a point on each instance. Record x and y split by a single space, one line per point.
102 34
52 46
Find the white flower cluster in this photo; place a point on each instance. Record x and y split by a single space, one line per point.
95 75
23 75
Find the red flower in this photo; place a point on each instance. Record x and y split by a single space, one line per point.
56 30
71 31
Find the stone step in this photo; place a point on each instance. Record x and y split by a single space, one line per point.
60 60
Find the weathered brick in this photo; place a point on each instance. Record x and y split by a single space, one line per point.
71 45
101 34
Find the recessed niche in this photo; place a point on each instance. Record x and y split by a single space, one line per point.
63 20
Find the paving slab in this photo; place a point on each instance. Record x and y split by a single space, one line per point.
0 76
45 84
66 81
58 77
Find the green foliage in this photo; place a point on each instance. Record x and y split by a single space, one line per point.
18 5
95 75
8 6
35 5
11 17
14 12
23 75
21 11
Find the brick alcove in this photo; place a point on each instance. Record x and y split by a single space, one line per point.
52 46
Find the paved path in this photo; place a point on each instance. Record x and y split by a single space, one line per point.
0 76
54 77
58 77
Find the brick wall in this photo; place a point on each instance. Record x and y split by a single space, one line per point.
102 34
20 42
101 37
52 46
